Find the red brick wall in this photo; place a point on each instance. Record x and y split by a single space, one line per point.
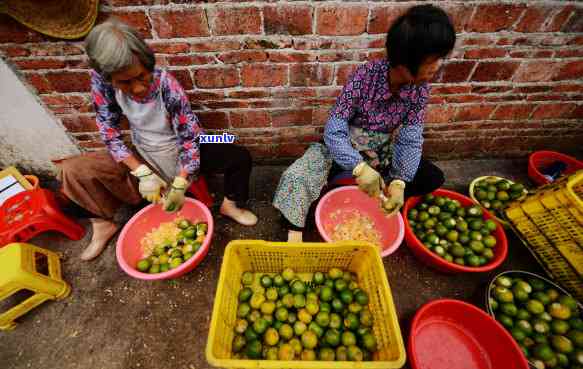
269 71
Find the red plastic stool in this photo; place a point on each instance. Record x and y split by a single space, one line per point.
200 191
29 213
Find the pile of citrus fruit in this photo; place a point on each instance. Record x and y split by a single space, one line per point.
455 233
174 252
546 324
494 193
321 316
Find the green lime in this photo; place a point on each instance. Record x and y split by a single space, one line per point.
351 321
361 297
546 317
288 300
434 210
254 349
323 319
245 294
304 316
525 326
576 336
175 263
481 194
346 296
282 291
292 317
412 214
326 354
517 187
553 294
355 308
452 236
576 323
286 352
562 360
332 337
312 307
257 299
260 326
299 301
535 307
241 326
458 251
476 224
299 328
341 353
505 320
281 314
243 310
335 321
348 338
477 246
340 285
474 211
271 337
429 198
288 274
318 278
562 344
238 343
324 306
540 326
503 196
308 355
337 305
559 327
488 254
543 352
490 225
298 287
143 265
286 331
537 284
518 334
493 303
268 307
272 294
559 311
154 269
509 309
247 278
476 236
489 241
296 344
250 334
503 294
326 294
473 260
354 353
266 281
335 273
569 302
522 314
314 327
459 261
423 216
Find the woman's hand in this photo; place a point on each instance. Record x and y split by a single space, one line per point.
150 184
174 199
368 179
395 197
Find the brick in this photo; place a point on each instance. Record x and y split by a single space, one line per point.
213 119
189 22
135 19
449 90
320 116
531 89
247 56
262 43
250 119
342 20
455 71
494 71
14 32
490 89
568 88
553 111
287 19
381 18
248 94
464 98
559 19
293 92
80 123
287 118
477 41
40 64
290 57
336 56
135 2
494 17
329 92
460 15
536 71
484 53
217 105
343 72
187 60
197 96
38 82
311 75
512 112
578 40
473 112
170 48
235 21
221 45
216 77
263 75
569 70
292 150
439 114
577 113
575 22
68 81
569 53
534 19
183 76
14 51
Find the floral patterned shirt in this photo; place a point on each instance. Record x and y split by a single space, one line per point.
367 102
184 121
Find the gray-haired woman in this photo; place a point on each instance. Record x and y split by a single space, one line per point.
165 133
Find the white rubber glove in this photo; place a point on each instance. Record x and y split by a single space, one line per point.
368 179
395 197
174 199
150 184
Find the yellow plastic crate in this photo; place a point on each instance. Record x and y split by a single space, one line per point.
550 222
361 258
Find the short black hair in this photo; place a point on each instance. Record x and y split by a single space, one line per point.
423 31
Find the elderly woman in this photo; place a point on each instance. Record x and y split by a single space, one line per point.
375 130
164 131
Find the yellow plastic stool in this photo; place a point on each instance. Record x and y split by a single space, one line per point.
19 270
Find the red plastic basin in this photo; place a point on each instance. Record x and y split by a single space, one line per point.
540 159
433 260
129 250
451 334
343 201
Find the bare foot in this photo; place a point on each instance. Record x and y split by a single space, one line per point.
242 216
294 236
103 230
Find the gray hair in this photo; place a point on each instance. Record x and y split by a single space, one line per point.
113 46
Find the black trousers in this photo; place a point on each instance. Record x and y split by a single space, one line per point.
232 160
427 179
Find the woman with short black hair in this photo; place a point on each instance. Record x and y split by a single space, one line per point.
375 130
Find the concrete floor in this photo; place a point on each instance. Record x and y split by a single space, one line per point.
112 321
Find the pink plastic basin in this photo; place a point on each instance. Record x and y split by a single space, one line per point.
129 250
343 201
